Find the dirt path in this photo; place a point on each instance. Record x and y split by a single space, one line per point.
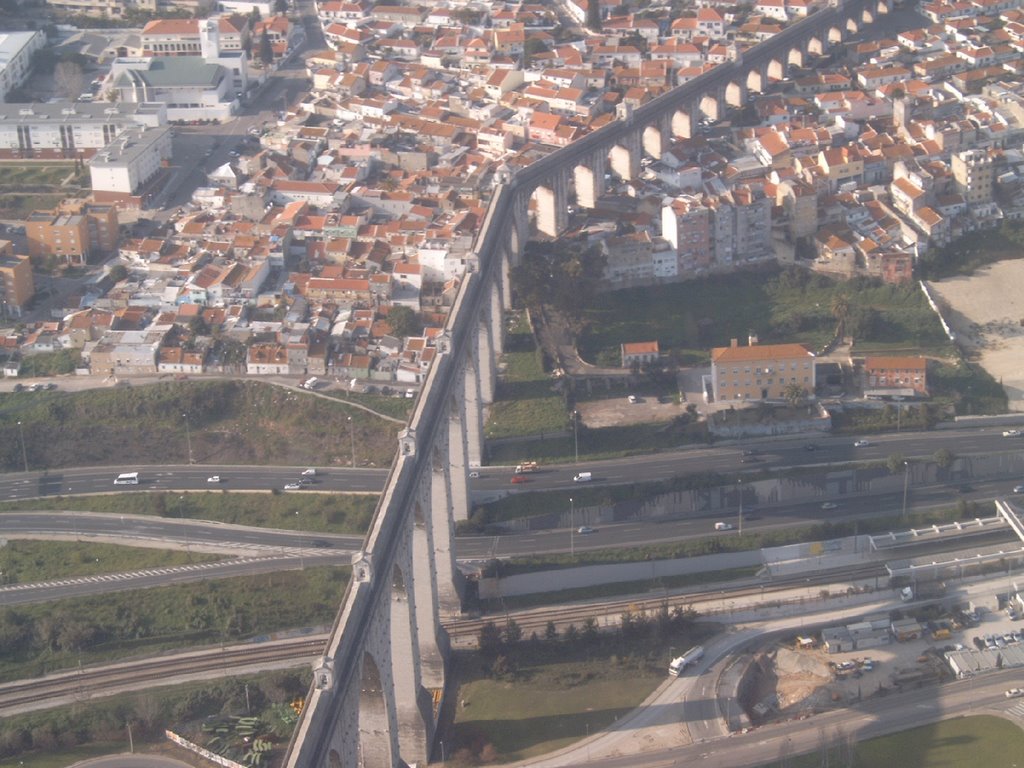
987 314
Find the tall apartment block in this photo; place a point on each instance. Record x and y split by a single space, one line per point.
974 175
16 284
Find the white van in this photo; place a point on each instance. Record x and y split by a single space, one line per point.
583 477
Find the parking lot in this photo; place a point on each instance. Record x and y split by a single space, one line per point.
806 679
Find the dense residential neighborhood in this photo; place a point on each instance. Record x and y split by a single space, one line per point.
364 195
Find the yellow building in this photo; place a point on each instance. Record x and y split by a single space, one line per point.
16 276
760 371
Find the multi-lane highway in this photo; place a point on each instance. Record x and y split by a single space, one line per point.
62 482
771 455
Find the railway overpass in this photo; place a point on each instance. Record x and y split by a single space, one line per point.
375 697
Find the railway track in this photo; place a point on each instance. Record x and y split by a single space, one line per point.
536 619
86 683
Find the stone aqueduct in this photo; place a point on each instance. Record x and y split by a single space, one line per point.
374 701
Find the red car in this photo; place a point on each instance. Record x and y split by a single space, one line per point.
520 479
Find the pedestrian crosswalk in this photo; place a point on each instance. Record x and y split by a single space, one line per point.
148 572
1017 710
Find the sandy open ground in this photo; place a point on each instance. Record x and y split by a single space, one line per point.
987 311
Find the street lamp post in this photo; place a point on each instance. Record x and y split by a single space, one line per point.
572 528
188 438
906 482
740 527
24 455
576 434
352 438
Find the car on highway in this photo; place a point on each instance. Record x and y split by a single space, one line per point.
293 487
830 505
584 529
633 399
517 479
1014 693
474 475
213 479
311 472
1018 488
1011 433
861 443
749 459
723 526
751 452
810 447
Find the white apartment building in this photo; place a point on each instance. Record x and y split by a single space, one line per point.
122 169
70 129
16 49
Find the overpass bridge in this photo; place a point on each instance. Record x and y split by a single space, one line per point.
376 693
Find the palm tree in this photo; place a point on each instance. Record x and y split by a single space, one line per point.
794 394
841 310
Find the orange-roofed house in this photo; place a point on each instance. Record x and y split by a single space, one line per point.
760 371
640 352
897 376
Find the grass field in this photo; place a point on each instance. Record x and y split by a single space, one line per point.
334 513
232 422
13 175
989 742
689 318
22 562
526 402
548 706
63 633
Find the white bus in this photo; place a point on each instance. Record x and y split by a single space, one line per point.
127 478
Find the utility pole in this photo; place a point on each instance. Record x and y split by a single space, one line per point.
740 527
24 455
352 437
906 481
576 434
572 528
188 438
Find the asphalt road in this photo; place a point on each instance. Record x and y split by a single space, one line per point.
23 485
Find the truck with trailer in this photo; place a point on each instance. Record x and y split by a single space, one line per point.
680 663
526 466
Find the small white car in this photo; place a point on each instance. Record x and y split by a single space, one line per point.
1014 693
584 529
723 526
293 487
309 472
213 479
474 475
632 399
830 505
861 444
1011 433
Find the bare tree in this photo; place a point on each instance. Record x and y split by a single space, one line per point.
70 79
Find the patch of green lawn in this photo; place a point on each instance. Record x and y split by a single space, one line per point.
526 402
779 306
23 562
60 634
329 512
549 705
970 741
